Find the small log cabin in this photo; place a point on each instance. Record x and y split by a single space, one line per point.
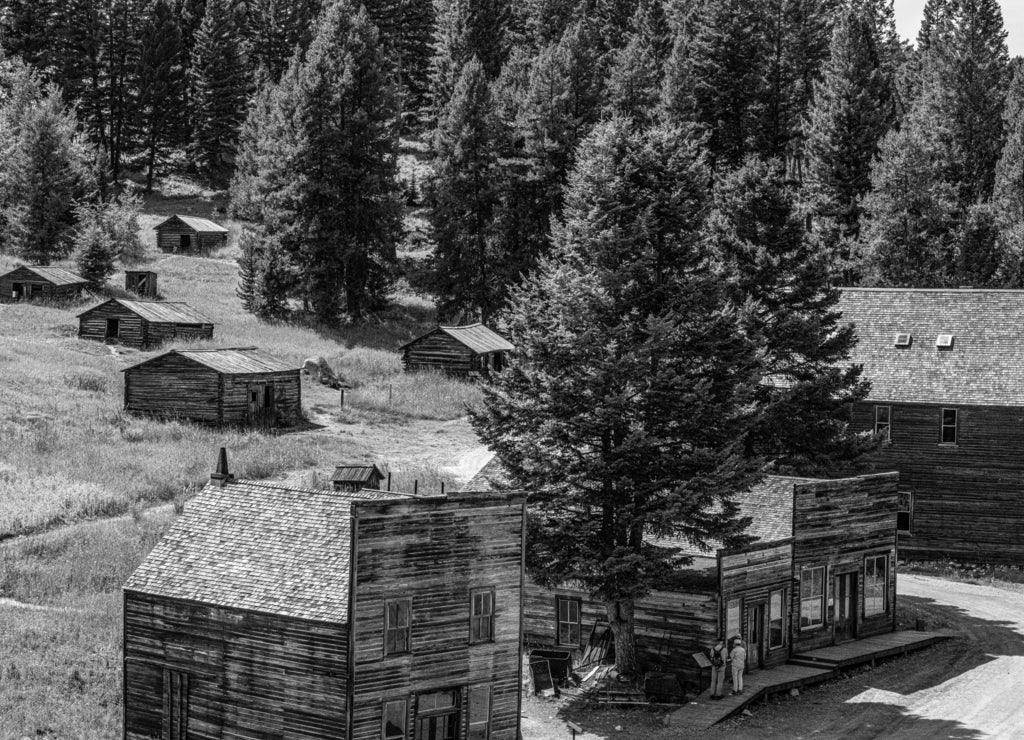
32 282
143 324
357 478
459 350
821 570
235 387
947 392
140 282
190 235
278 612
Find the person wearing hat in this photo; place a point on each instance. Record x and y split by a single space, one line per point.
738 656
719 657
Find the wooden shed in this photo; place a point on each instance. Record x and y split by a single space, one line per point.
32 282
140 282
143 324
268 611
190 235
460 350
239 386
357 477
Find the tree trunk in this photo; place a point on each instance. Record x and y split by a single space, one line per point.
620 619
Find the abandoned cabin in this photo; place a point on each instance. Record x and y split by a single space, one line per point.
140 282
30 283
143 324
241 387
190 235
278 612
459 350
357 477
821 571
947 391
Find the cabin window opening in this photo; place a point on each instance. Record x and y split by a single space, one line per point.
883 422
17 291
37 289
481 615
175 721
568 620
393 720
949 434
479 713
437 715
397 626
732 618
776 619
905 511
875 584
812 597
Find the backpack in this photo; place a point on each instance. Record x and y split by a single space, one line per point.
716 658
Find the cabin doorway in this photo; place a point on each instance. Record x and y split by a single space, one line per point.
112 331
262 406
17 291
844 607
185 243
755 636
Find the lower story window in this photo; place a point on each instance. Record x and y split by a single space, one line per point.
568 621
875 584
776 619
393 720
905 512
812 597
437 715
479 713
732 619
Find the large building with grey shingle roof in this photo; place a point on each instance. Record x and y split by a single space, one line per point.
946 368
270 610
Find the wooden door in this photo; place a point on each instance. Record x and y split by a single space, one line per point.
254 413
755 637
185 243
112 330
844 607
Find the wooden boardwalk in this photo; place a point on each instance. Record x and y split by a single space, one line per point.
804 669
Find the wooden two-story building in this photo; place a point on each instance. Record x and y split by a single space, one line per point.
821 570
278 612
947 392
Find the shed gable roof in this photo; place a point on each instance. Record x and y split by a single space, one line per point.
476 337
254 546
984 365
355 473
157 312
231 361
55 275
195 223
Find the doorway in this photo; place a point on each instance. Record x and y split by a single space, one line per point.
113 329
755 636
262 405
185 243
17 291
844 608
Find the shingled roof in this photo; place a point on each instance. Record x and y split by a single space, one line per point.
235 360
56 275
255 546
984 365
158 312
196 224
355 473
476 337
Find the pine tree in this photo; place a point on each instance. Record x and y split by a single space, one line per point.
406 29
266 276
274 29
219 81
95 251
161 86
635 78
1008 190
633 379
756 231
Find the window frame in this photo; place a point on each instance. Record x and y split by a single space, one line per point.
908 510
477 619
559 600
389 628
426 715
806 572
886 425
884 557
955 426
733 606
404 702
469 712
781 619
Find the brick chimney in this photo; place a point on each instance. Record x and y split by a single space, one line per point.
221 476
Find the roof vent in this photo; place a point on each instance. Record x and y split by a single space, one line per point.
944 341
902 340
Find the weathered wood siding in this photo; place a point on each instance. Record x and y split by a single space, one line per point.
131 329
48 291
287 397
435 558
837 524
968 497
750 576
438 351
250 676
133 279
168 239
158 333
173 386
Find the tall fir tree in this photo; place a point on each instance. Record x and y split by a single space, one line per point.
635 78
274 29
219 80
1008 192
406 30
625 412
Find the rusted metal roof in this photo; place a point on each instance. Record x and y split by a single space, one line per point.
56 275
158 312
232 361
476 337
250 545
196 224
355 473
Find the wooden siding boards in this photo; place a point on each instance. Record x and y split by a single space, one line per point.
750 576
438 351
436 558
47 289
134 330
170 232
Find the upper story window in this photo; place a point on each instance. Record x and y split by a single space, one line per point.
875 584
397 626
481 615
905 511
812 597
568 620
950 430
883 422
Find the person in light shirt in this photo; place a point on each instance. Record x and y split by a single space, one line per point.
738 656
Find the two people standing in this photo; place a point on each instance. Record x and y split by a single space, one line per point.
721 660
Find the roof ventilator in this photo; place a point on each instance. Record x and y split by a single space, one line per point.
902 340
944 341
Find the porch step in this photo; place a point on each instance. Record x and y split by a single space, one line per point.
810 662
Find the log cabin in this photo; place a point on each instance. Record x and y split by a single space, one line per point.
190 235
821 570
357 477
218 387
141 282
947 393
458 350
277 612
143 324
34 282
